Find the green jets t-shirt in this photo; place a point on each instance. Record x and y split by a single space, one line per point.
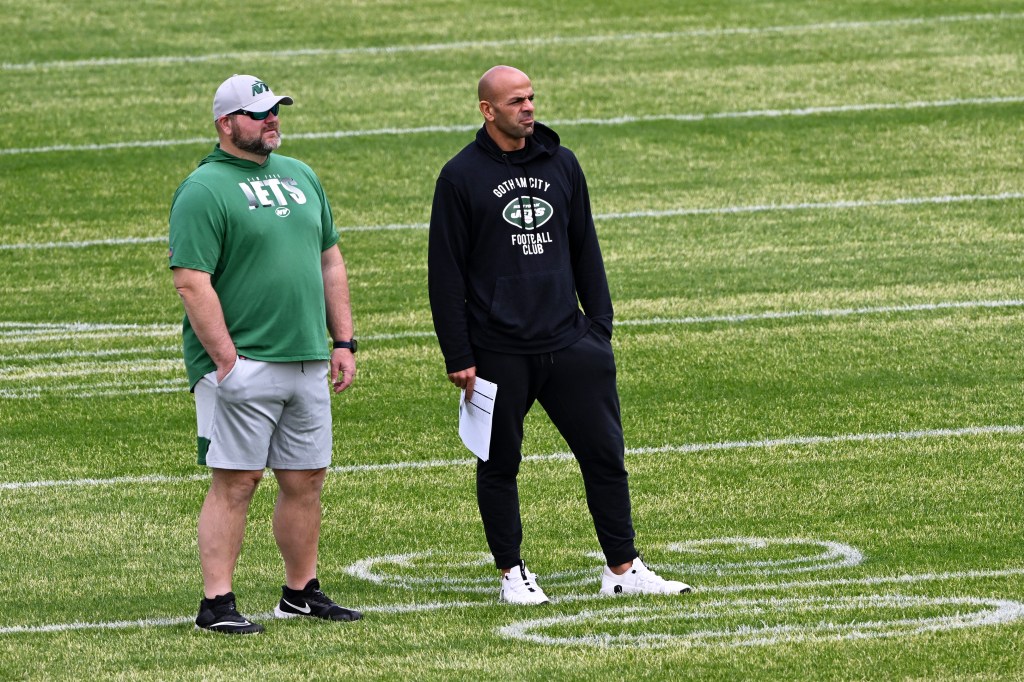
259 231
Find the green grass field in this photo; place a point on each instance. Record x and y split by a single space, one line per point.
811 216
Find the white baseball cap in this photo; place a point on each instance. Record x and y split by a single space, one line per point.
245 92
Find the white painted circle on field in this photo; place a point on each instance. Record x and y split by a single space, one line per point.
473 571
735 623
455 571
766 556
452 571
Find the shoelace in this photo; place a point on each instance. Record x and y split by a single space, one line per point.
649 577
527 581
318 596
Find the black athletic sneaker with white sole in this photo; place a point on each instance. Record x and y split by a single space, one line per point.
311 602
220 615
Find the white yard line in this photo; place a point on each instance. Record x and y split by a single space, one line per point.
13 333
129 369
31 332
827 312
466 45
611 121
21 368
685 448
839 204
64 355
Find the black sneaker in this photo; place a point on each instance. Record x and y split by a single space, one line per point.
219 615
310 601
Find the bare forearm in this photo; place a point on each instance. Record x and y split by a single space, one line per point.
202 306
336 295
339 317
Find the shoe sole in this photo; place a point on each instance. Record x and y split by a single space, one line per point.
611 593
199 628
502 600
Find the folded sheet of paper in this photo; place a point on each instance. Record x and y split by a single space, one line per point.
475 418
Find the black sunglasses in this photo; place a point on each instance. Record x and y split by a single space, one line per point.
259 115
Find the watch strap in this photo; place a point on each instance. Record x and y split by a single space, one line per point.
350 345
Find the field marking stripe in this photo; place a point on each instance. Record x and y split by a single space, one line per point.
14 373
866 582
433 606
82 326
617 120
110 625
83 244
465 461
816 205
28 332
113 390
86 482
667 213
52 331
828 312
171 386
617 38
981 612
64 355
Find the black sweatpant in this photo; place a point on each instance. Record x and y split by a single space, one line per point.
576 387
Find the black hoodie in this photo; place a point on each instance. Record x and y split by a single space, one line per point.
513 252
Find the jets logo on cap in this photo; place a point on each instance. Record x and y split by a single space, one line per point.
259 87
527 213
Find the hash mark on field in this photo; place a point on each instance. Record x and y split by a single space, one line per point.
616 38
617 120
686 448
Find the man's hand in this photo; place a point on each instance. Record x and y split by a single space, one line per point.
466 379
343 369
224 370
202 305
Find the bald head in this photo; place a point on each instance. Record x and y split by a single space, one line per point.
506 102
497 79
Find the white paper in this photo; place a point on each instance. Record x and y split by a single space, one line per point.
475 418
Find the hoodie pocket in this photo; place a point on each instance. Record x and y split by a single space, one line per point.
533 306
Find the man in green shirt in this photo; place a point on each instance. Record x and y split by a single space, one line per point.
255 260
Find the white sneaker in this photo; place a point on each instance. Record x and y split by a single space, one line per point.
519 586
640 580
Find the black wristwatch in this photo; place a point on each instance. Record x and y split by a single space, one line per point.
350 344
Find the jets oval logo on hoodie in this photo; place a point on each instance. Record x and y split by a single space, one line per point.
527 213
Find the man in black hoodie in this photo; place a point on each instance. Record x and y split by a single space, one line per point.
512 256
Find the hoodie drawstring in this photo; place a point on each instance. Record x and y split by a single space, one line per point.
522 209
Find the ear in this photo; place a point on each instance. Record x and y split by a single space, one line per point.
487 110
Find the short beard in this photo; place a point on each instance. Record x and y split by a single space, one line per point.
254 145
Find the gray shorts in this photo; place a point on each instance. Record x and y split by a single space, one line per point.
265 414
